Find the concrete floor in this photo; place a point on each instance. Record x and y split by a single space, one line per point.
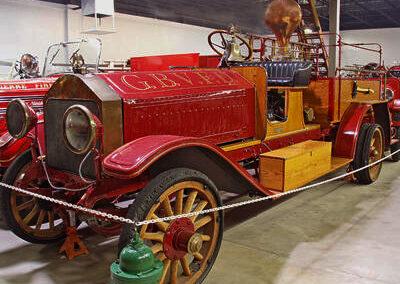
339 233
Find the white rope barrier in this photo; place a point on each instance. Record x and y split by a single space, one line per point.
191 214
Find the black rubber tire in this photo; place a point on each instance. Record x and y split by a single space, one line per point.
139 209
362 152
393 148
5 207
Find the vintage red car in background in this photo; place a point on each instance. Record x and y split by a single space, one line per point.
31 86
151 144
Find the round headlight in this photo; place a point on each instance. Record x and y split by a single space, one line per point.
389 93
20 118
79 129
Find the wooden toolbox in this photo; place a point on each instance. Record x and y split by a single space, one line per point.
294 166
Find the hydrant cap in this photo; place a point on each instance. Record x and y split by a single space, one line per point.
136 257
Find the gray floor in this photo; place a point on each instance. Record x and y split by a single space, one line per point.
340 233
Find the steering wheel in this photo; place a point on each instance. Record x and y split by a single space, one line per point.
219 39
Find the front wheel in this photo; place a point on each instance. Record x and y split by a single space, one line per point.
188 247
370 148
32 219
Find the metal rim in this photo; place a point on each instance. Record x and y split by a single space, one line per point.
375 153
27 119
184 245
92 124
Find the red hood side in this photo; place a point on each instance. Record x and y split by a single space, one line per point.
29 90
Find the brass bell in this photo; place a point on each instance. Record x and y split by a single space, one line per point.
235 54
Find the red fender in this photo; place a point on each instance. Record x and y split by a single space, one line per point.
10 148
132 159
347 135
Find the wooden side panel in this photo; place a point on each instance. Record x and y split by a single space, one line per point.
258 77
295 118
314 161
318 97
291 167
331 97
272 172
346 91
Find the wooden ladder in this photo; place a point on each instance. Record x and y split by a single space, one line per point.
310 20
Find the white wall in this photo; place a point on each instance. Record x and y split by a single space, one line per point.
389 38
30 26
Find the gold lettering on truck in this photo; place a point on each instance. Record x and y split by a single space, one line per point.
144 85
164 81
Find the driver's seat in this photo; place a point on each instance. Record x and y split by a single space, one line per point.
283 73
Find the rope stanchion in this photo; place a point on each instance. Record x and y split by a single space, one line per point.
136 223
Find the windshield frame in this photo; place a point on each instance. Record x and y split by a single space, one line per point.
65 44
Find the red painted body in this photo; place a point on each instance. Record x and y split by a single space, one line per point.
346 139
394 105
217 105
31 91
164 62
174 61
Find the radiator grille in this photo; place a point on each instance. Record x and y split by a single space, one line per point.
58 155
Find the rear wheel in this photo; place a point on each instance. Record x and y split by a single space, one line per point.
188 247
370 148
33 220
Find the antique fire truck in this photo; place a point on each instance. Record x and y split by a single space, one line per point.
152 144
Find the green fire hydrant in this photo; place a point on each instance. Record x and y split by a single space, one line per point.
136 265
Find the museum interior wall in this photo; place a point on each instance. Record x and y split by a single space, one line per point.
30 26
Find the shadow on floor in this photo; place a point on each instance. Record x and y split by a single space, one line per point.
276 227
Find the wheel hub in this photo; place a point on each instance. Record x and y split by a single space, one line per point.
44 204
181 239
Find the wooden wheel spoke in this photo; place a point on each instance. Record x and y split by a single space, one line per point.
205 238
166 204
185 266
174 272
26 205
31 214
199 207
189 202
202 222
40 220
162 257
163 226
159 237
50 216
157 248
167 265
198 256
179 202
372 150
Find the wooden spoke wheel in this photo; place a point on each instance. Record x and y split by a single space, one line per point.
219 39
188 247
370 148
30 218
